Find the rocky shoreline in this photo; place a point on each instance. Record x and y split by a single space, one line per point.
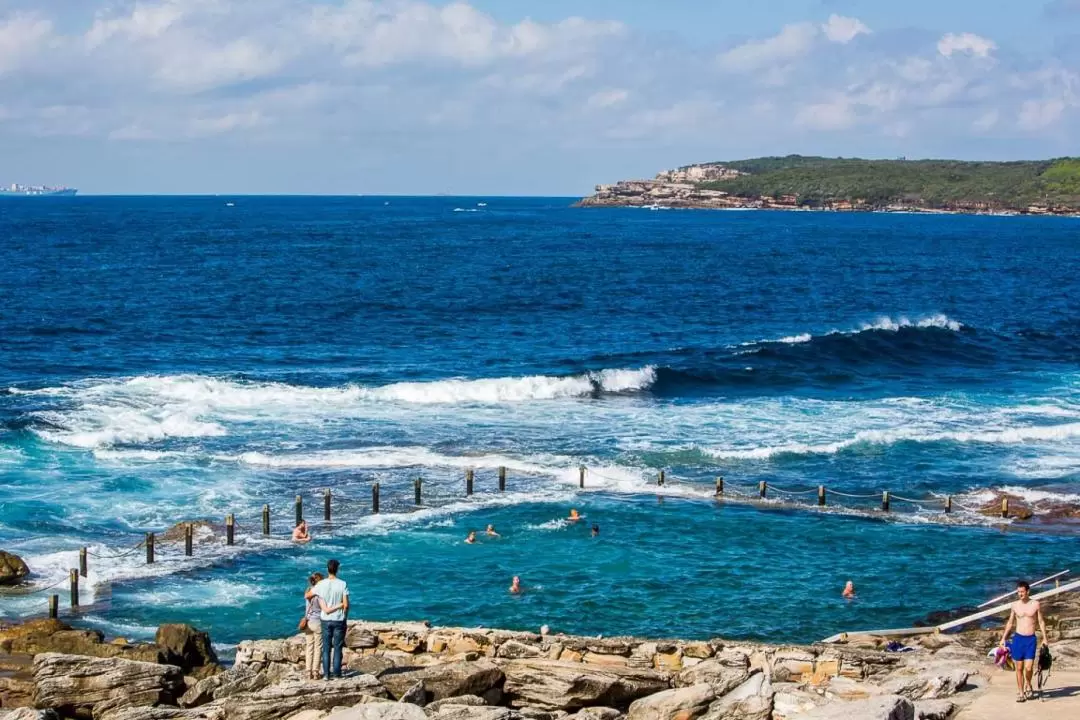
412 671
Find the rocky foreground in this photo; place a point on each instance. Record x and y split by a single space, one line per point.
411 671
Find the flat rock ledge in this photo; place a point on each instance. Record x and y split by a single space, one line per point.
411 671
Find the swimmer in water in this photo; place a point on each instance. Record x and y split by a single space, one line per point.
515 586
574 515
471 539
595 530
849 590
300 533
490 532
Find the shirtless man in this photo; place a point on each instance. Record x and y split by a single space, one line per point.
300 533
1025 647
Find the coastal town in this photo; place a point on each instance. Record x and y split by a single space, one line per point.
696 187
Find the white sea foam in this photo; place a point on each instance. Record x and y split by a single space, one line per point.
397 457
1013 435
884 323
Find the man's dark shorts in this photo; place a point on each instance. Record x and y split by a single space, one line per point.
1023 647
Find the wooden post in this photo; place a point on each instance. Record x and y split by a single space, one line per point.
375 499
82 562
821 495
418 490
502 479
230 529
266 519
1005 507
948 504
885 501
468 481
299 509
74 577
189 537
54 606
149 548
581 477
762 489
719 486
660 479
326 505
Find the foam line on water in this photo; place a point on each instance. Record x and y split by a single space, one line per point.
884 323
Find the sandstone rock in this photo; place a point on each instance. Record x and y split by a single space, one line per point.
380 711
185 647
700 650
25 713
933 710
370 664
309 715
929 683
726 671
70 682
515 650
52 636
753 700
16 691
569 686
597 713
684 703
443 681
281 701
416 695
466 712
359 637
843 688
261 653
161 713
791 700
12 569
884 707
243 679
203 531
606 660
469 700
791 665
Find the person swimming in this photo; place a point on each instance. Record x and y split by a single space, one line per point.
595 530
300 533
471 539
574 515
515 586
490 532
849 590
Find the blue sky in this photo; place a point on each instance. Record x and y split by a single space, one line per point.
515 96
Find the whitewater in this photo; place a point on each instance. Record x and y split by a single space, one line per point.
229 363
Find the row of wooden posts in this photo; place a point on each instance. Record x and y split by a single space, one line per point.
230 520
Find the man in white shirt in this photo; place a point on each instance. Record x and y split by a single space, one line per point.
333 594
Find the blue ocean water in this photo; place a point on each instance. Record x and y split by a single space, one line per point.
167 359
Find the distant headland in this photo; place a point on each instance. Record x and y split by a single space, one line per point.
796 182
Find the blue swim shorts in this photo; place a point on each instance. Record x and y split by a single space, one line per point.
1023 647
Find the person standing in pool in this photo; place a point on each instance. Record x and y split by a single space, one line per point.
300 533
515 586
333 596
1025 646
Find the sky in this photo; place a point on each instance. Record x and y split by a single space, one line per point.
515 97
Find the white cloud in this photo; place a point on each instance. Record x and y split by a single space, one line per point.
969 43
1040 114
793 41
987 121
837 113
20 36
840 29
607 98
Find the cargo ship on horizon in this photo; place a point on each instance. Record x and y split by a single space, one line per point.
14 190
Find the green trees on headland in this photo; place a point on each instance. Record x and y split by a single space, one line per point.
947 184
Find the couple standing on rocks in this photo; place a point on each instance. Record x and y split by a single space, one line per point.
325 622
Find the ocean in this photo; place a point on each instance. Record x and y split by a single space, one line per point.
172 359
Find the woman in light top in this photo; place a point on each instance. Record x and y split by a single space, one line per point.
313 648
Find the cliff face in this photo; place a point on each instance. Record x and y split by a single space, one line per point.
681 188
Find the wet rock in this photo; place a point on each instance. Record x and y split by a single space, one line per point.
12 569
684 703
68 683
443 681
203 531
560 685
52 636
185 647
753 700
885 707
